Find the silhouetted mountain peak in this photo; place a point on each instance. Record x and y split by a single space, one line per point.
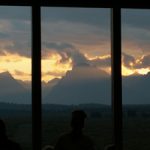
8 84
85 73
11 90
83 84
5 74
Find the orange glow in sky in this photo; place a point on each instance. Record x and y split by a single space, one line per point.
52 68
143 71
20 67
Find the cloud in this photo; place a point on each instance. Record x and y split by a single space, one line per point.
3 35
15 30
66 51
96 17
15 37
136 18
144 62
133 63
101 62
2 53
127 60
77 27
138 38
76 33
53 73
59 46
20 73
136 29
22 48
15 13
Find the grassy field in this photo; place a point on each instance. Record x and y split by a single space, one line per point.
136 134
136 131
19 129
99 130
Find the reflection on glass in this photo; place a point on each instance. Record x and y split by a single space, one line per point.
136 78
76 72
15 73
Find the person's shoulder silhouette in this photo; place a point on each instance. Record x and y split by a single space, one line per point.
75 140
48 147
5 143
110 147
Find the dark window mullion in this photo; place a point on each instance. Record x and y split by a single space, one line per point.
16 2
36 76
116 76
77 3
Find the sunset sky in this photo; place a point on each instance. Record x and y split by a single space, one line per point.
72 37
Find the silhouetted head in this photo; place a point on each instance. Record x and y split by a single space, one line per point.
78 118
2 128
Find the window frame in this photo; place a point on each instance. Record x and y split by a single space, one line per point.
115 55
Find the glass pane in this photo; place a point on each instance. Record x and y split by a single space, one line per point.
76 72
136 78
15 74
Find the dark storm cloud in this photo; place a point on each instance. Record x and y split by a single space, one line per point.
138 37
136 18
22 26
15 25
67 51
106 62
145 62
136 28
15 13
59 46
97 17
3 35
22 48
127 59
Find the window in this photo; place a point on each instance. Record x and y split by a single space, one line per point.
136 79
76 71
116 57
15 73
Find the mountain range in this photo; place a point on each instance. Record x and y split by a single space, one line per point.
81 85
84 84
12 90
